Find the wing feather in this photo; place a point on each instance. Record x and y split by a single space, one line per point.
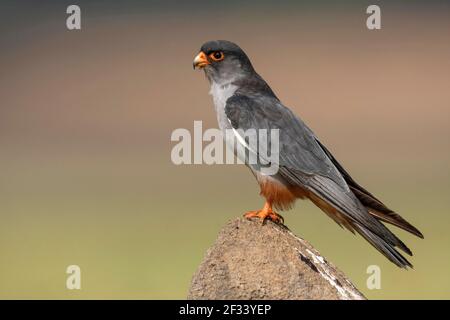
303 162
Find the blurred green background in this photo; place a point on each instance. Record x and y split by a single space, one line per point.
86 118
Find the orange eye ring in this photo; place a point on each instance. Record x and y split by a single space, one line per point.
217 56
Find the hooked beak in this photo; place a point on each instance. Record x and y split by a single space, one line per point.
200 60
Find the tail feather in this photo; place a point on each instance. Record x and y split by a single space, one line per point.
375 207
383 247
377 234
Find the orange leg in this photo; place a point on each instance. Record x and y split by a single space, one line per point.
265 213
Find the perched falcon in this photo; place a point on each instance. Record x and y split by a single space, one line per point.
306 169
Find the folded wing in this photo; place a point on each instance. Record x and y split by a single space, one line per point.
303 161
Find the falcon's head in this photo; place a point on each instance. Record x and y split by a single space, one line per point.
223 61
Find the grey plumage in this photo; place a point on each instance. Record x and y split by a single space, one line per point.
303 159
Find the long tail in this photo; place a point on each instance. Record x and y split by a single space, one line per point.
384 240
384 247
375 207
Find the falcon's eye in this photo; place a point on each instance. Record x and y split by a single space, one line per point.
217 56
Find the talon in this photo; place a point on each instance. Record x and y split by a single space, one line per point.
265 213
251 214
275 217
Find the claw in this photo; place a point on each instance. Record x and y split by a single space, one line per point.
265 213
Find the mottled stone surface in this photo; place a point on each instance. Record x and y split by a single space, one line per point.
254 261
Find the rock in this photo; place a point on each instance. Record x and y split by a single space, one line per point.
254 261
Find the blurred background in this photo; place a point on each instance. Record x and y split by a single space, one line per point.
86 117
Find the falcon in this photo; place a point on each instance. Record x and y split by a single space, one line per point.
306 168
